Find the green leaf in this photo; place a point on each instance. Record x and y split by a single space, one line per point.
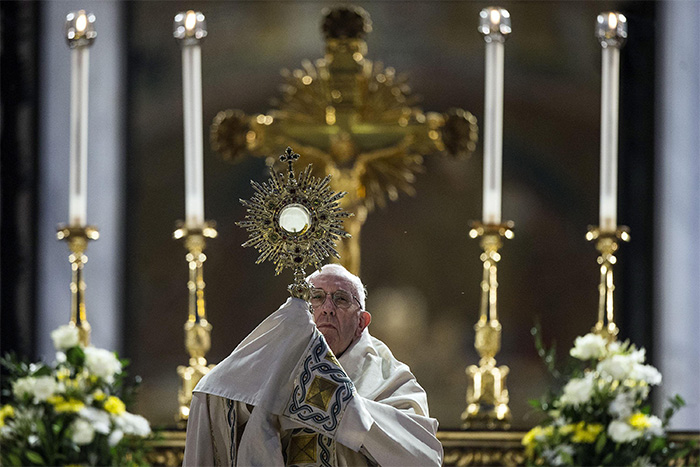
57 427
566 457
35 458
607 459
40 428
75 356
535 403
43 370
600 443
657 444
14 459
678 401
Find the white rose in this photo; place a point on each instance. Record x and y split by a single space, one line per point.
654 428
638 355
646 373
102 363
622 405
23 387
578 391
115 437
83 432
99 418
588 347
617 367
44 387
622 432
65 337
133 424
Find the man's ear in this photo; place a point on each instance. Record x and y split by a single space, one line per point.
365 319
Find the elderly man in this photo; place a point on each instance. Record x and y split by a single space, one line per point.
312 390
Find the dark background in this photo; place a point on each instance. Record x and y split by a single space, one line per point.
421 269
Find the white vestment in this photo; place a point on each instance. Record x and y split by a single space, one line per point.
281 398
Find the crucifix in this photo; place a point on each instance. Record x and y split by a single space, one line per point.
353 119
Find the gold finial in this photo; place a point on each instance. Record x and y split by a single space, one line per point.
190 27
80 29
611 29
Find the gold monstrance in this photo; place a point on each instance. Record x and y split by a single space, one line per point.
352 118
294 222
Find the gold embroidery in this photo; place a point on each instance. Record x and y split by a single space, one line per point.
331 358
302 449
320 392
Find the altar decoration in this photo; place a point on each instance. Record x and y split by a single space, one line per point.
189 28
601 415
352 118
611 31
72 411
80 33
487 396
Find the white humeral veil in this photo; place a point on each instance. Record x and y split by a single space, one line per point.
282 396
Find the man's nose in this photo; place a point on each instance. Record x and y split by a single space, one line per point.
326 308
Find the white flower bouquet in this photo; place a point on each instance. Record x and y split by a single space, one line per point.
601 415
69 412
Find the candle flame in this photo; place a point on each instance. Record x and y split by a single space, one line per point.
81 23
612 20
495 17
190 20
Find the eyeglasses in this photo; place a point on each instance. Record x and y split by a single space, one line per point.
341 299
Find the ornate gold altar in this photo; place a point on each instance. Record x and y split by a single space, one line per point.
462 448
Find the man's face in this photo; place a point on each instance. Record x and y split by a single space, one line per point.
339 326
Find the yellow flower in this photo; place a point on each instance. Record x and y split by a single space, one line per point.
63 373
530 438
73 383
586 433
53 400
98 395
567 429
5 412
639 421
62 405
114 405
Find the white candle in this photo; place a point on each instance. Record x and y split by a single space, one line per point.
80 33
611 30
190 28
494 24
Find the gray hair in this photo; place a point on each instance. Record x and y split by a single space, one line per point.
338 270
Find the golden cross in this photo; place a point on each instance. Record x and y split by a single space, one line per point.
353 119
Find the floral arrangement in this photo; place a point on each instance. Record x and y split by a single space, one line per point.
601 416
69 412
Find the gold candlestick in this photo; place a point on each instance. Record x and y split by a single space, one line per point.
77 238
197 328
607 244
487 396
